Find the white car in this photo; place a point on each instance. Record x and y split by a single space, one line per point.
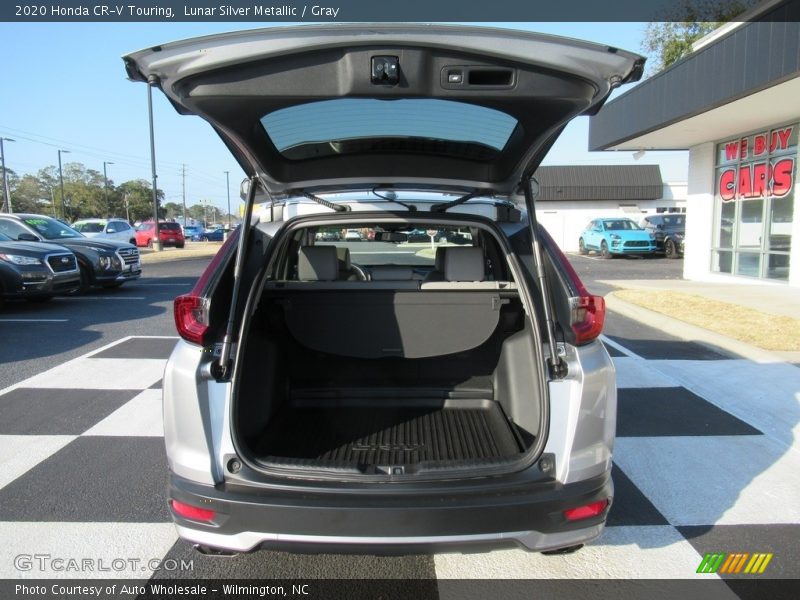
352 235
112 229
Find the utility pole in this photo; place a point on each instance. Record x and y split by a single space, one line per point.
6 193
183 175
228 188
127 209
105 188
61 179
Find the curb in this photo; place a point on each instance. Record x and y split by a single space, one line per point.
692 333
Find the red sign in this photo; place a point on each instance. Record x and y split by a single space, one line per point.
757 179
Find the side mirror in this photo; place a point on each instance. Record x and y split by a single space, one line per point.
27 237
111 230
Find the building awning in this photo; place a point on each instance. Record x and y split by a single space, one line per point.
599 182
747 79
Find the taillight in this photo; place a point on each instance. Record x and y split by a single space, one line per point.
194 513
587 315
191 314
586 511
191 318
587 312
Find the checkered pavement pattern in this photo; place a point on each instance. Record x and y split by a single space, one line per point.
706 460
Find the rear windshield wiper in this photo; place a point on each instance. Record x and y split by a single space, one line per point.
323 202
442 207
409 207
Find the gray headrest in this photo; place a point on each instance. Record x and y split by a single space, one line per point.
464 264
439 264
317 263
391 273
344 258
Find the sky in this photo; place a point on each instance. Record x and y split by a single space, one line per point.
63 86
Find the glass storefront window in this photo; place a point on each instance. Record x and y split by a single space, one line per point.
754 200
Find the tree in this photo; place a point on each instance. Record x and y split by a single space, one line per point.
139 194
686 22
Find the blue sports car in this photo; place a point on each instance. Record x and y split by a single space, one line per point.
615 236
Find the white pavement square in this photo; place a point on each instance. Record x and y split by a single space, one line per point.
142 416
637 373
102 374
127 550
767 396
20 453
657 552
708 480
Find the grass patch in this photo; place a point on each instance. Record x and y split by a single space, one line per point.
191 250
764 330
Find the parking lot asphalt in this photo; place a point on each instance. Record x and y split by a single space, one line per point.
706 448
36 337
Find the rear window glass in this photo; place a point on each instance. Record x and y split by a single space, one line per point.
408 247
170 226
345 119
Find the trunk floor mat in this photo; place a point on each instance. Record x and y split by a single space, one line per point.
389 435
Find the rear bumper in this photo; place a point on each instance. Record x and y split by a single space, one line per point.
365 522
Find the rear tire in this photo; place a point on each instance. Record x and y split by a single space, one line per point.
179 246
670 251
38 299
582 247
604 253
113 286
150 243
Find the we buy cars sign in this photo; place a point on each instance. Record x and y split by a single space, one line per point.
759 172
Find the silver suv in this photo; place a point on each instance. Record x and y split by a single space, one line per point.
402 392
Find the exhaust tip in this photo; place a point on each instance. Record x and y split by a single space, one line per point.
209 551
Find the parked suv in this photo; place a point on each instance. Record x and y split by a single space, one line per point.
36 272
391 399
105 263
169 233
669 231
112 229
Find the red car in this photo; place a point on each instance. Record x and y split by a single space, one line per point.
170 234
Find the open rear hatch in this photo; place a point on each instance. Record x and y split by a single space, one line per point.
317 109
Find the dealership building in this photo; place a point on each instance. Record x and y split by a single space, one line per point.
571 196
734 104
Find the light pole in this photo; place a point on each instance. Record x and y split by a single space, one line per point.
228 188
153 80
6 193
61 179
105 187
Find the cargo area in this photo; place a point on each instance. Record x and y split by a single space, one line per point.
378 380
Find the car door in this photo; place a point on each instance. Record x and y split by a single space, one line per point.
593 235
